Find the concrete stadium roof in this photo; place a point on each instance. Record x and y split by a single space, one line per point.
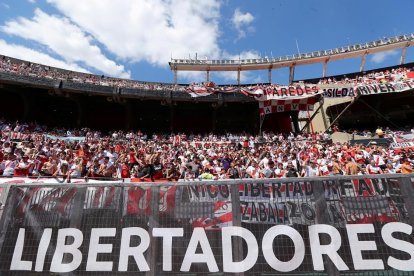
351 51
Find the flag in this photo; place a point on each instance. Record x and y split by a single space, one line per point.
273 106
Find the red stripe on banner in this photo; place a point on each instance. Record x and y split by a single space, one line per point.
267 103
305 104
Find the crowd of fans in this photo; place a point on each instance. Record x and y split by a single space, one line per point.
36 70
41 71
85 153
393 75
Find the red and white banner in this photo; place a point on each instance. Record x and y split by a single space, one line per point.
338 91
199 90
271 92
383 88
403 145
273 106
208 88
21 136
402 138
275 92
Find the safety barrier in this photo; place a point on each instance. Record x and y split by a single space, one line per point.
320 226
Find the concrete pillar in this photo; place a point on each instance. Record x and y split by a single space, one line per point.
325 69
238 77
362 66
291 73
269 75
403 52
175 75
208 76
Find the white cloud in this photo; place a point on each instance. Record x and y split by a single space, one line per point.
149 30
24 53
245 76
382 56
32 1
133 31
242 20
193 76
251 54
6 6
225 77
65 39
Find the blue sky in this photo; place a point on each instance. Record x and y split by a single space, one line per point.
136 38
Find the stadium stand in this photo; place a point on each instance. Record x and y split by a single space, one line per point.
33 150
223 168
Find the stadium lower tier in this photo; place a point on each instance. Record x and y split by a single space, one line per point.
102 113
70 110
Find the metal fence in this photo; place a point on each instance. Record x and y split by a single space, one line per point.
352 225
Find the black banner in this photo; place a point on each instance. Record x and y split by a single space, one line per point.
359 224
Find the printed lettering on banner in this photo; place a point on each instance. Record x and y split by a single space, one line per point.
280 108
83 253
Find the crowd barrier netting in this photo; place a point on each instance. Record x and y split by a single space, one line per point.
356 225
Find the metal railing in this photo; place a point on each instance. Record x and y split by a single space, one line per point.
329 52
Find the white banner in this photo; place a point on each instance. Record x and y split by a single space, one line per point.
403 145
271 92
337 91
381 88
334 90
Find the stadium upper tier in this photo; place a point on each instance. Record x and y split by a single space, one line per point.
324 56
24 73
